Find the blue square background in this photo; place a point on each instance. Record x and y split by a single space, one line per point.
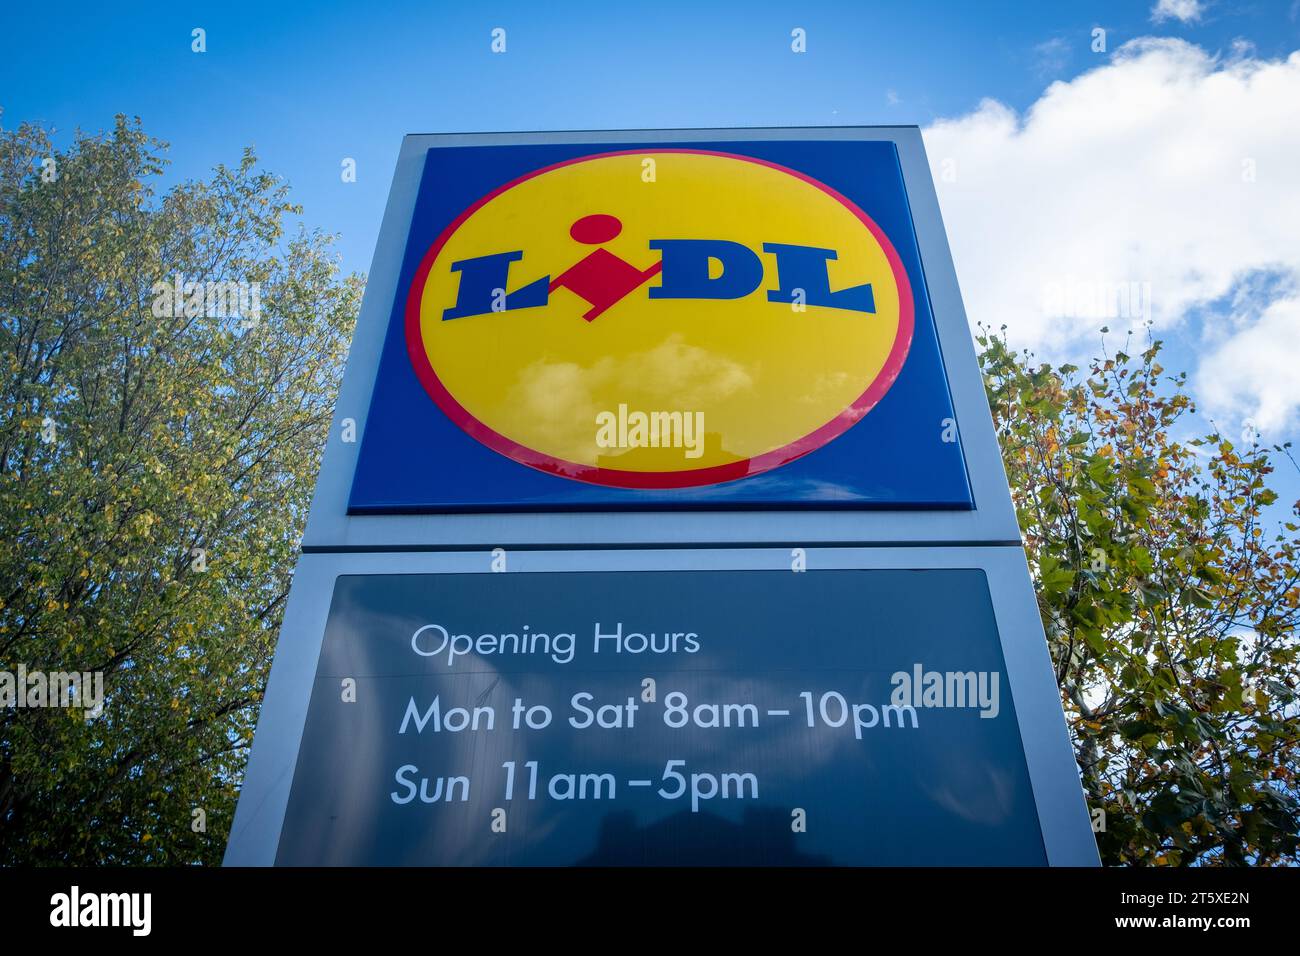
415 459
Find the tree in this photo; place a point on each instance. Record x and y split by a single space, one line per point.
167 367
1170 610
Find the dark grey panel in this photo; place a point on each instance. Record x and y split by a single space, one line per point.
953 789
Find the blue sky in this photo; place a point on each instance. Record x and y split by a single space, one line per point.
1055 141
309 86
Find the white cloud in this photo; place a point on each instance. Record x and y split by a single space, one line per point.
1184 11
1254 374
1051 57
1154 186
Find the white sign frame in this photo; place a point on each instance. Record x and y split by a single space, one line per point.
986 537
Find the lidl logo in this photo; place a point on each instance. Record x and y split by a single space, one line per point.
738 322
713 320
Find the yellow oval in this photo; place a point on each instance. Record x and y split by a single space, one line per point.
757 383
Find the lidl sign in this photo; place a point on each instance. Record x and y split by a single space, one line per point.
530 658
736 324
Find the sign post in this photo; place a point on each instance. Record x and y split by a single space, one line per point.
662 522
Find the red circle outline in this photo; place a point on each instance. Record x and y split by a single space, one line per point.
616 478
